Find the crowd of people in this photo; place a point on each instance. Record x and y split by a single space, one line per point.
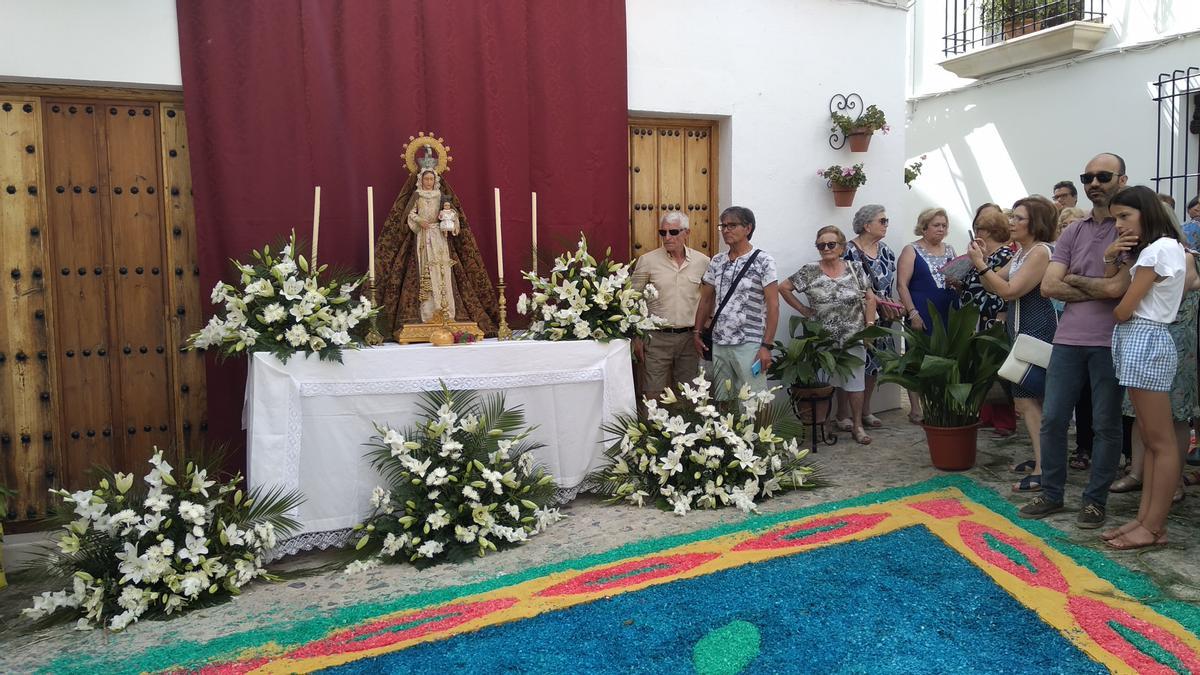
1115 290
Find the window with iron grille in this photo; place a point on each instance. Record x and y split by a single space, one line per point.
971 24
1178 170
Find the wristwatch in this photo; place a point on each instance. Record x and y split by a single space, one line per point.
768 345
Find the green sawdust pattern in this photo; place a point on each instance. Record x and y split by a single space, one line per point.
315 623
727 650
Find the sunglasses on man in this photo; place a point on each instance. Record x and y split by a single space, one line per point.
826 245
1102 176
672 232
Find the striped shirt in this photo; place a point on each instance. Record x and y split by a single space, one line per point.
745 315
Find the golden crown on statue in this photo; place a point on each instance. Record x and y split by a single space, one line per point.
437 153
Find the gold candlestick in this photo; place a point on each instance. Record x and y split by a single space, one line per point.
503 332
373 337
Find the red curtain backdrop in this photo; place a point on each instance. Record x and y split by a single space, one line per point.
285 95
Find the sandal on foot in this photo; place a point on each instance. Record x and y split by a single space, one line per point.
1080 462
1192 477
872 421
1003 433
1178 496
860 436
845 425
1025 467
916 418
1109 535
1030 483
1128 483
1123 543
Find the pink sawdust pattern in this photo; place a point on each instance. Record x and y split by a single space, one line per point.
942 509
629 574
823 531
1045 573
1094 617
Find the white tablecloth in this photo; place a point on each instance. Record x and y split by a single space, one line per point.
307 420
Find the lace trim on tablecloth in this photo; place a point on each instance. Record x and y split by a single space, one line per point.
476 382
311 541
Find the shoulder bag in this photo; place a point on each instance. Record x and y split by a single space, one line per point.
706 335
1027 360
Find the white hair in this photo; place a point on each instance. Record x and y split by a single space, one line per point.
677 217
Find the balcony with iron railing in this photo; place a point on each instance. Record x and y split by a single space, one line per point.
989 36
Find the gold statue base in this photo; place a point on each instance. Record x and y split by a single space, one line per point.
412 333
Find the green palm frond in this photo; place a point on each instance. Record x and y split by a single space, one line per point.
272 506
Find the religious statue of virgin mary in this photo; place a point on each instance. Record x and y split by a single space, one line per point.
426 258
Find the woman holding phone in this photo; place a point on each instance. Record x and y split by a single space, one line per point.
840 296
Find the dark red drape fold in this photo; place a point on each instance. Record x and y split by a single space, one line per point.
281 96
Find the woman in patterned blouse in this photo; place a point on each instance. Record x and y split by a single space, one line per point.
868 249
991 231
840 297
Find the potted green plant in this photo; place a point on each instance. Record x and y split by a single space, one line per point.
806 363
1014 18
951 370
913 171
858 130
843 182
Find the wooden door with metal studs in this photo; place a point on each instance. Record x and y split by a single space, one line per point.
672 167
97 234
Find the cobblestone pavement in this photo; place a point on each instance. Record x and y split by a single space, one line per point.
897 457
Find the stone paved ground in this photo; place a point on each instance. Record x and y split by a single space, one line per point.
898 457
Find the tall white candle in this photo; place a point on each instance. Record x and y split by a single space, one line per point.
499 241
371 236
534 232
316 226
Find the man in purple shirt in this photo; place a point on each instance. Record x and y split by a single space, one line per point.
1083 342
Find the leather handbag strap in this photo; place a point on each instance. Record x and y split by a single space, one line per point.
733 286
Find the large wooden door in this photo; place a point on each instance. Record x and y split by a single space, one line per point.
104 291
672 167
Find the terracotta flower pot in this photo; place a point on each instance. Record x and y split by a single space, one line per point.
860 139
811 402
843 196
951 448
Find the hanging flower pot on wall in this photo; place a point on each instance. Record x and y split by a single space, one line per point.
843 182
843 196
857 131
860 139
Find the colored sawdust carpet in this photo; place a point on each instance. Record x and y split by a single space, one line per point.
937 577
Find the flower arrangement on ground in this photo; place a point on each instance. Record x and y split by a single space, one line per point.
912 171
586 299
688 454
159 548
849 177
459 484
871 120
283 308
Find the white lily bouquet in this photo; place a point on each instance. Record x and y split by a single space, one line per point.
161 548
283 308
586 299
459 484
689 455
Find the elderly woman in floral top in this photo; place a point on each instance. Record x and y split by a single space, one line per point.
869 250
840 297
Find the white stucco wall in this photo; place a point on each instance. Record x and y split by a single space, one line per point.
90 41
1013 134
767 69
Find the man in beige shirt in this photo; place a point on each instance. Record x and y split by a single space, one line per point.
676 271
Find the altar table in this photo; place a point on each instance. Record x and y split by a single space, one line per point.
307 420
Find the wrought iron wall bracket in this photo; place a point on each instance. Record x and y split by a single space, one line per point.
850 105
